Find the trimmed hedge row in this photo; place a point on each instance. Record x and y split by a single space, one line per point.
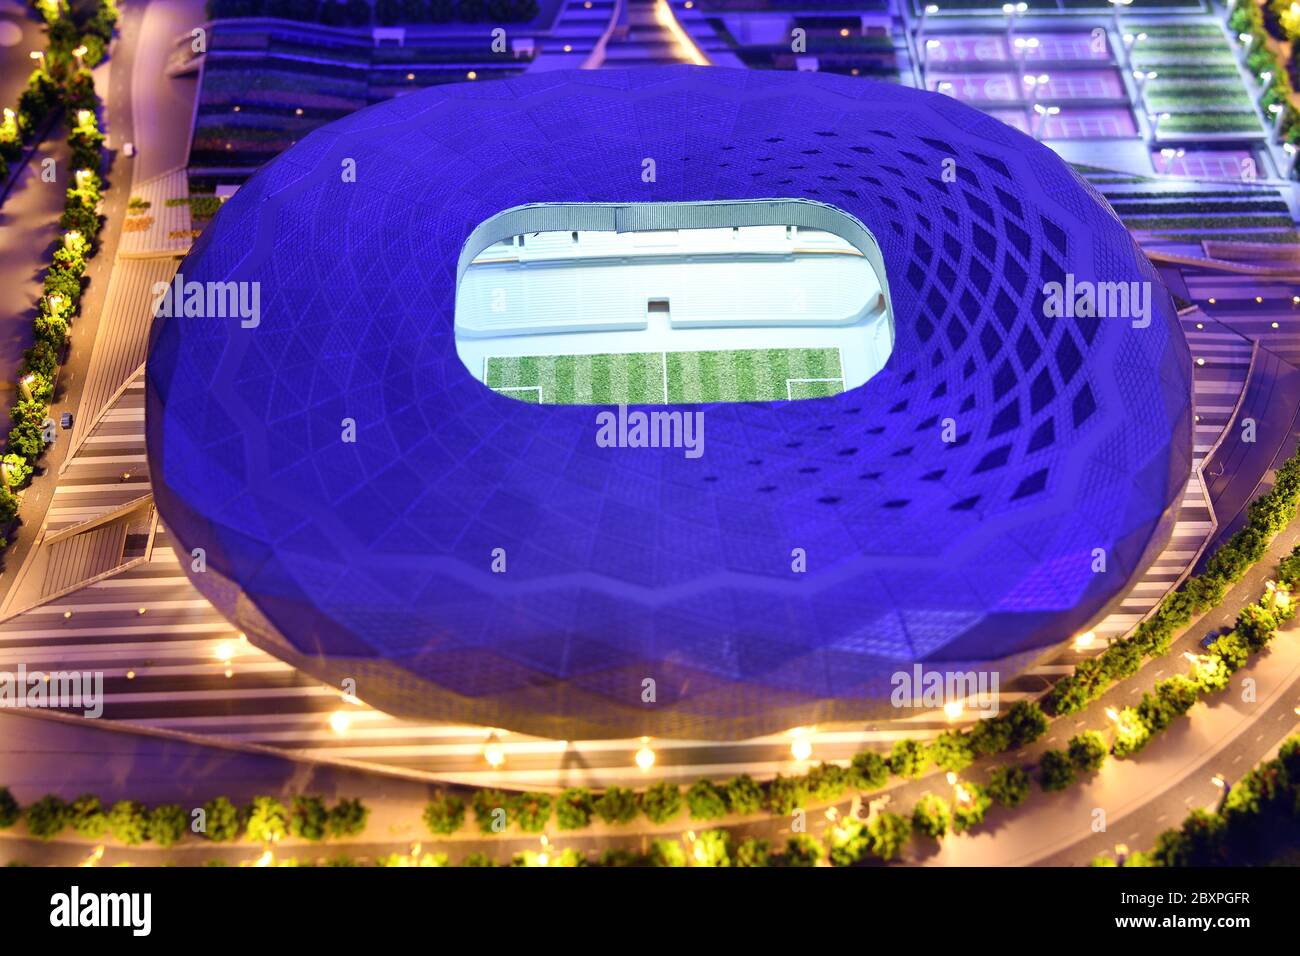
264 820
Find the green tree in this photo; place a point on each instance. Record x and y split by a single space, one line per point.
970 810
932 816
909 758
868 771
801 850
1088 751
9 809
348 818
490 810
86 814
47 817
444 813
221 820
1009 786
744 796
128 821
889 833
308 818
1027 723
667 853
167 824
530 810
785 794
478 859
706 800
267 820
847 842
1055 770
753 851
827 781
712 848
573 808
661 802
617 805
952 751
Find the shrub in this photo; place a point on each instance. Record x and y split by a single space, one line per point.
478 859
931 816
706 801
847 842
1088 751
1009 786
221 820
620 857
990 736
9 809
1026 722
1055 770
868 771
909 758
166 824
744 796
662 802
617 805
86 815
128 821
753 851
308 818
267 820
667 853
573 808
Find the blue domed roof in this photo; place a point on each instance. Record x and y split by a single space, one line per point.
373 559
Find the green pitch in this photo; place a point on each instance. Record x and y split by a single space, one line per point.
638 378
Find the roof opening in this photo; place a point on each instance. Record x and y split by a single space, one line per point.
670 303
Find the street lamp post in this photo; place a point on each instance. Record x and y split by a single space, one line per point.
1012 10
930 9
1041 113
39 57
1290 150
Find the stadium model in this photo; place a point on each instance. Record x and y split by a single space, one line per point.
976 492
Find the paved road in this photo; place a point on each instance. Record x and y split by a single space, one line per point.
20 33
116 121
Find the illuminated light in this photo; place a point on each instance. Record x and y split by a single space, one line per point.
141 610
951 777
493 754
243 638
230 672
664 17
1112 714
340 721
952 710
265 859
1085 640
932 44
471 75
1201 325
410 76
236 109
1218 781
543 859
83 117
844 32
130 675
1259 299
1212 300
1295 300
568 48
801 748
298 111
832 813
932 8
94 857
1274 325
645 757
126 476
1200 361
223 652
67 614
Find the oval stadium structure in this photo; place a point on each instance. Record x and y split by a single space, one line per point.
468 557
